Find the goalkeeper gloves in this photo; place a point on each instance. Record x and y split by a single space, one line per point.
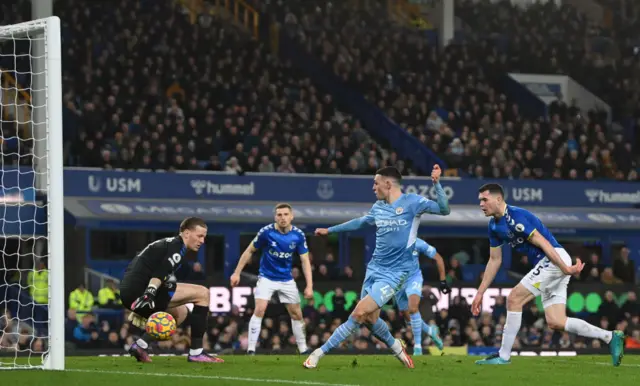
444 287
137 320
146 300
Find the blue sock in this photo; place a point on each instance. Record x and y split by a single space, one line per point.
381 331
425 327
340 334
416 328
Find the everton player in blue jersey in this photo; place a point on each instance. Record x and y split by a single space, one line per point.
408 300
396 217
278 242
525 233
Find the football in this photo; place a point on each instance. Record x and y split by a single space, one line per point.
161 326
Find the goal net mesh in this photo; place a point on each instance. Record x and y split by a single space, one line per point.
24 286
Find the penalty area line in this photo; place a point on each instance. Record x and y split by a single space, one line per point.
219 377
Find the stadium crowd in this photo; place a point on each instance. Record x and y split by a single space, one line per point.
452 100
162 104
201 96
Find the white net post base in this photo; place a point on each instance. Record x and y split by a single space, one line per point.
32 299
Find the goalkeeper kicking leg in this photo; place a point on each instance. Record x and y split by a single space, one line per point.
174 302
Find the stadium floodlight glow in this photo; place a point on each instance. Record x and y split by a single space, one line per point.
31 193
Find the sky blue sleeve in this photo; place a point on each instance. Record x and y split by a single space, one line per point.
426 249
355 224
440 206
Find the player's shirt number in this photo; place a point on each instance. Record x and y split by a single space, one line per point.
387 292
175 259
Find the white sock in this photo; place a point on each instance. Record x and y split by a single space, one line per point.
396 347
142 343
196 351
255 324
298 331
582 328
509 333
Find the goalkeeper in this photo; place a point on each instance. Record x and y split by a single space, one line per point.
149 286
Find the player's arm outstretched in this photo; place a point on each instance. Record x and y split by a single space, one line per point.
441 205
169 263
351 225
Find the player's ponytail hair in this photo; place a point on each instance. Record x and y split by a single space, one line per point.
190 223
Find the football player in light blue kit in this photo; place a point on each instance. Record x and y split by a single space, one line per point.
279 242
396 217
525 233
408 300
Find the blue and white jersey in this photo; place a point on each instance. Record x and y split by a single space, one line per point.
277 251
516 228
397 228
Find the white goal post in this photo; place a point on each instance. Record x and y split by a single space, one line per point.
31 144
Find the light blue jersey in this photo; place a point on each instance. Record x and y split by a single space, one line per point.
396 233
516 228
414 283
277 251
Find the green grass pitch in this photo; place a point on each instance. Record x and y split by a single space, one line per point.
334 370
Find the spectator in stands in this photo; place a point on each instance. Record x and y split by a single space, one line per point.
454 273
623 267
109 296
630 309
38 282
607 277
521 265
70 324
85 334
609 309
197 275
81 301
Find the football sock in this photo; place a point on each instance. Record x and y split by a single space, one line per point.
582 328
381 331
340 334
254 331
511 328
416 328
142 342
198 328
426 328
298 331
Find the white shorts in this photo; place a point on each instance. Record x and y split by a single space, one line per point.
548 281
287 290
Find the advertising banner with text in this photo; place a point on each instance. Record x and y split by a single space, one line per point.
335 189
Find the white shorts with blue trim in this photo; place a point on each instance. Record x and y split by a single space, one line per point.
287 290
548 281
